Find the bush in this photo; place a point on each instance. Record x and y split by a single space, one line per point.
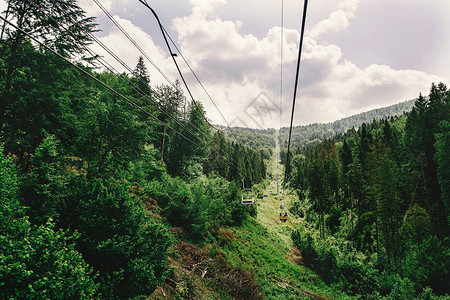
336 264
40 263
403 288
429 266
332 220
118 238
36 262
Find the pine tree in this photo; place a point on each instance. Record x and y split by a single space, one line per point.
140 73
47 20
442 158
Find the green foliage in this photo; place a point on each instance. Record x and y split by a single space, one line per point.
92 187
416 225
391 175
264 254
205 204
43 187
39 262
36 261
31 17
241 162
310 135
428 266
118 238
261 139
336 263
443 160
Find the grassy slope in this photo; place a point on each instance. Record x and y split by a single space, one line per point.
261 247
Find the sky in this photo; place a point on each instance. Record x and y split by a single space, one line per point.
357 55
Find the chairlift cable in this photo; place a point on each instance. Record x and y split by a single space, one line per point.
287 167
201 84
281 81
130 70
176 64
135 88
120 27
132 103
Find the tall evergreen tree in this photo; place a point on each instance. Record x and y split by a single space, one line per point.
443 164
140 74
47 20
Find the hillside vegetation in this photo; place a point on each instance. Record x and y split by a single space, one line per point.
312 134
112 188
101 174
376 203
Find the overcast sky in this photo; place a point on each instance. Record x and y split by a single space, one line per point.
357 55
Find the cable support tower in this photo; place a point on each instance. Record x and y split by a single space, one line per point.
302 33
132 103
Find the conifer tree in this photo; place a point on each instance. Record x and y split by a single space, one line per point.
47 20
140 73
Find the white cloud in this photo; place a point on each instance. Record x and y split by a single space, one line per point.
238 68
92 9
337 21
332 87
123 48
205 8
3 5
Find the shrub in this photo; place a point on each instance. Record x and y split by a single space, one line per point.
118 238
36 262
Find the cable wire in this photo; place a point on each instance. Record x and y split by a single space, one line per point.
281 81
110 68
201 84
142 51
281 60
176 64
302 33
114 21
120 61
132 103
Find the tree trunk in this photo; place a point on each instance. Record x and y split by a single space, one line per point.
376 237
163 144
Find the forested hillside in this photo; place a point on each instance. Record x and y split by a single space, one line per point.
101 174
376 201
314 133
113 187
257 139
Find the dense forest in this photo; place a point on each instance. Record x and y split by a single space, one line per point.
112 187
97 169
260 140
376 201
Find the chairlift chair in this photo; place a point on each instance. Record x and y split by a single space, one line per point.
247 196
283 211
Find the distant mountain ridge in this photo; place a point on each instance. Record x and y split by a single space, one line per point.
313 133
368 116
309 134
